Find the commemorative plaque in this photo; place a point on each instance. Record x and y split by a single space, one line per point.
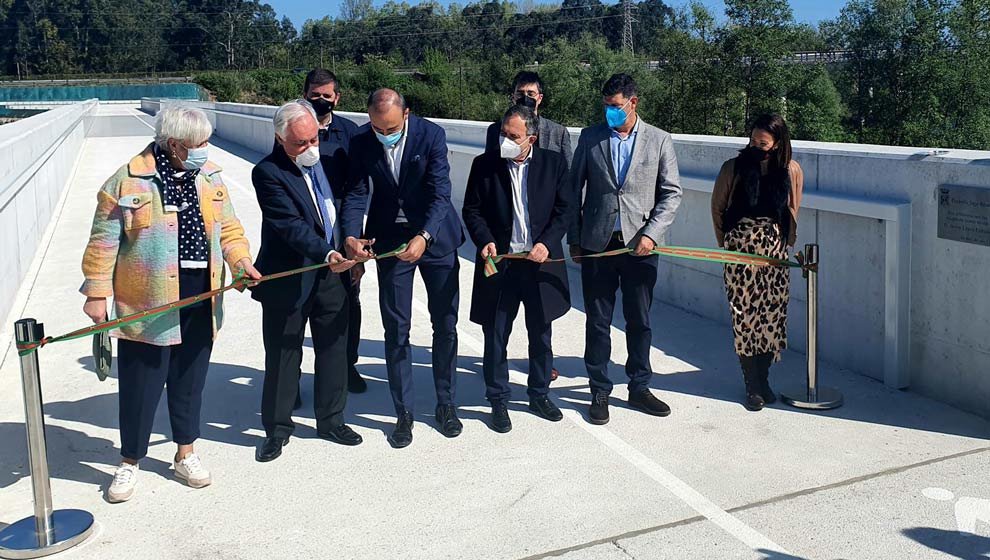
964 214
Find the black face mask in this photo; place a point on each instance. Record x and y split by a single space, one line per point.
322 106
755 154
527 101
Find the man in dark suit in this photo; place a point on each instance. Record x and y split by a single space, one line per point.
625 172
406 157
517 201
300 228
527 91
322 90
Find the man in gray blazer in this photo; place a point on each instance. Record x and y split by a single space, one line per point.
625 174
527 89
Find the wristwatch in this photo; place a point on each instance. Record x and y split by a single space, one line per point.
426 235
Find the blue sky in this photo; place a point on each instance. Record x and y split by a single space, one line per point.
809 11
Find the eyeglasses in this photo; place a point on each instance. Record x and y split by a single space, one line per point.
532 94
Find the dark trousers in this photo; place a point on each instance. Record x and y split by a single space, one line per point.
353 319
518 286
600 278
395 292
283 331
144 370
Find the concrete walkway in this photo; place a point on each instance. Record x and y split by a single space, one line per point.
888 475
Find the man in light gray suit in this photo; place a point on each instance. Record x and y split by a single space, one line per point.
625 174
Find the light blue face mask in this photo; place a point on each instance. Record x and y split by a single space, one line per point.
616 116
196 158
391 139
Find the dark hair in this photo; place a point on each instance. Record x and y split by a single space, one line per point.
320 77
527 77
774 125
527 115
619 83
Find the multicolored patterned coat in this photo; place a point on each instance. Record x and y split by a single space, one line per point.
132 255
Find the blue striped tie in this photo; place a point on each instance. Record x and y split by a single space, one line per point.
321 200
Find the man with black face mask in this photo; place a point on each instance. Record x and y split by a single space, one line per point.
322 90
527 90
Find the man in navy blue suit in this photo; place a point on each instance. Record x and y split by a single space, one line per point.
300 228
406 158
322 90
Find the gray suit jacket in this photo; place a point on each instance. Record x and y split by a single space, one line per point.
552 137
645 204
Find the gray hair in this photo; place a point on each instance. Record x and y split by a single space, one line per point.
527 115
290 113
184 123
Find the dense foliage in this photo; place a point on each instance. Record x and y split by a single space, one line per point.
905 72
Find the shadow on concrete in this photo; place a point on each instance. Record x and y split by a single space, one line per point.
774 555
954 543
69 451
231 413
712 371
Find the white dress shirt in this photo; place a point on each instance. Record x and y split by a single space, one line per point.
522 234
394 157
331 206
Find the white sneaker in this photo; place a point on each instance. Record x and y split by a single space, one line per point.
191 469
124 480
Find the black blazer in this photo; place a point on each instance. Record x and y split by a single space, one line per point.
292 234
488 218
423 187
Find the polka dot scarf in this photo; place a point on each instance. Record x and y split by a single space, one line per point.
180 195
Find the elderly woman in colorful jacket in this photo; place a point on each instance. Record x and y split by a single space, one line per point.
164 226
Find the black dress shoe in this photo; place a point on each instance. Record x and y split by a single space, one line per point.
646 402
342 434
356 383
447 420
598 413
402 434
500 418
270 449
544 408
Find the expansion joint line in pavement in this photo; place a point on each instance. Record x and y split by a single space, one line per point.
615 539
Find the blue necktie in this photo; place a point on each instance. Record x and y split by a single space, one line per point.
321 200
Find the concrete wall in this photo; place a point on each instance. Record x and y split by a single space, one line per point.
949 352
38 156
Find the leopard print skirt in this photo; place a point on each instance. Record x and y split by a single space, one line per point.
757 294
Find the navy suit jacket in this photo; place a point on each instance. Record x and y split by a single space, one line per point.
335 145
292 234
423 188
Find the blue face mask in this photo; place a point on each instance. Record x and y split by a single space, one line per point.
391 139
616 116
196 158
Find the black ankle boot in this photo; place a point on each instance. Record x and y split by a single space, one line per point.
764 361
751 377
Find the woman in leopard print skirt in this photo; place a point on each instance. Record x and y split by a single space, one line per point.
754 209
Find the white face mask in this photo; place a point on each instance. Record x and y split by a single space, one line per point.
509 149
310 157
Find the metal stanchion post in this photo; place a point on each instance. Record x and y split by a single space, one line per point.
815 397
47 532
